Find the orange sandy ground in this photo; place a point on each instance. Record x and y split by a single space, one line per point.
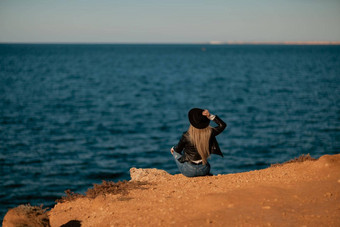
295 194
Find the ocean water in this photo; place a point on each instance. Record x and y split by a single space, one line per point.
74 115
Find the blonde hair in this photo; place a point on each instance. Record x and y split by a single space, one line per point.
200 139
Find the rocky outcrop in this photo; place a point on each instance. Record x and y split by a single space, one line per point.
300 193
26 215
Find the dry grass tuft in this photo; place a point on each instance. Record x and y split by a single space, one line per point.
106 187
302 158
70 196
28 209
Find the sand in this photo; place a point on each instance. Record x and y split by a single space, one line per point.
294 194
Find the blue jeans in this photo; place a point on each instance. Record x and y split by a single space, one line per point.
191 170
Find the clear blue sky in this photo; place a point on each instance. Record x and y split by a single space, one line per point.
171 21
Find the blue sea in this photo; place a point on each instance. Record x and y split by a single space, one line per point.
72 115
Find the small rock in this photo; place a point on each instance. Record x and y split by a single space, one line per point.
148 174
328 194
266 207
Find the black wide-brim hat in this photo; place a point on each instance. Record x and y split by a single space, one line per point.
197 119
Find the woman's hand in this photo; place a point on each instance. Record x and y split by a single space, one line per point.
172 150
206 113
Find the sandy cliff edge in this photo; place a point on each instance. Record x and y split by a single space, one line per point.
294 194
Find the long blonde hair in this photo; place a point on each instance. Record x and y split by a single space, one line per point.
200 139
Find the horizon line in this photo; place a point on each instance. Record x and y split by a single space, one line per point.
194 43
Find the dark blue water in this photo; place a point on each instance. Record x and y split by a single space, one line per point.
73 115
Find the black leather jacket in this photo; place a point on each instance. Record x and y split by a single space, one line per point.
190 151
